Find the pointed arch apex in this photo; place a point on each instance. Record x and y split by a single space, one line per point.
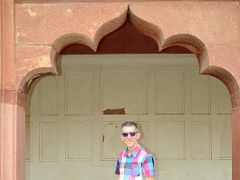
110 26
147 28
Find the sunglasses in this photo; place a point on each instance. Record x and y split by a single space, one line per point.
125 134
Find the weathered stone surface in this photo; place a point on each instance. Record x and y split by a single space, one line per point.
12 97
32 61
209 29
12 130
7 44
211 22
179 23
226 57
47 1
45 23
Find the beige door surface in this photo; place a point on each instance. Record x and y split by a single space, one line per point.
185 118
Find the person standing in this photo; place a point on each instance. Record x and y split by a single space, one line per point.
134 162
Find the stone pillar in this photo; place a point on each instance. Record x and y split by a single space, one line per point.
7 44
236 143
11 101
12 135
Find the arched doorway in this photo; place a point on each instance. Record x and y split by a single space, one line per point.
190 113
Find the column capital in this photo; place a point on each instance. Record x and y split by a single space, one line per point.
12 97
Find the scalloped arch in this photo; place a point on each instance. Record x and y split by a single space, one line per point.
147 28
103 30
67 39
227 79
109 27
188 41
191 42
30 77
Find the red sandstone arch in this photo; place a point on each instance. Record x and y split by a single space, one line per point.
45 59
193 44
25 76
67 39
27 68
188 41
228 79
197 47
104 29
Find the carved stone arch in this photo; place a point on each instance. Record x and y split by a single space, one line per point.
44 58
188 41
67 39
109 27
32 55
103 30
49 53
147 28
29 79
192 43
197 47
228 80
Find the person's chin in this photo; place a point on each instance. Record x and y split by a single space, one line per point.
130 145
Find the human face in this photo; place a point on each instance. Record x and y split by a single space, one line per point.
130 141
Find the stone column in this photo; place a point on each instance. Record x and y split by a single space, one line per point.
236 143
11 101
12 135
